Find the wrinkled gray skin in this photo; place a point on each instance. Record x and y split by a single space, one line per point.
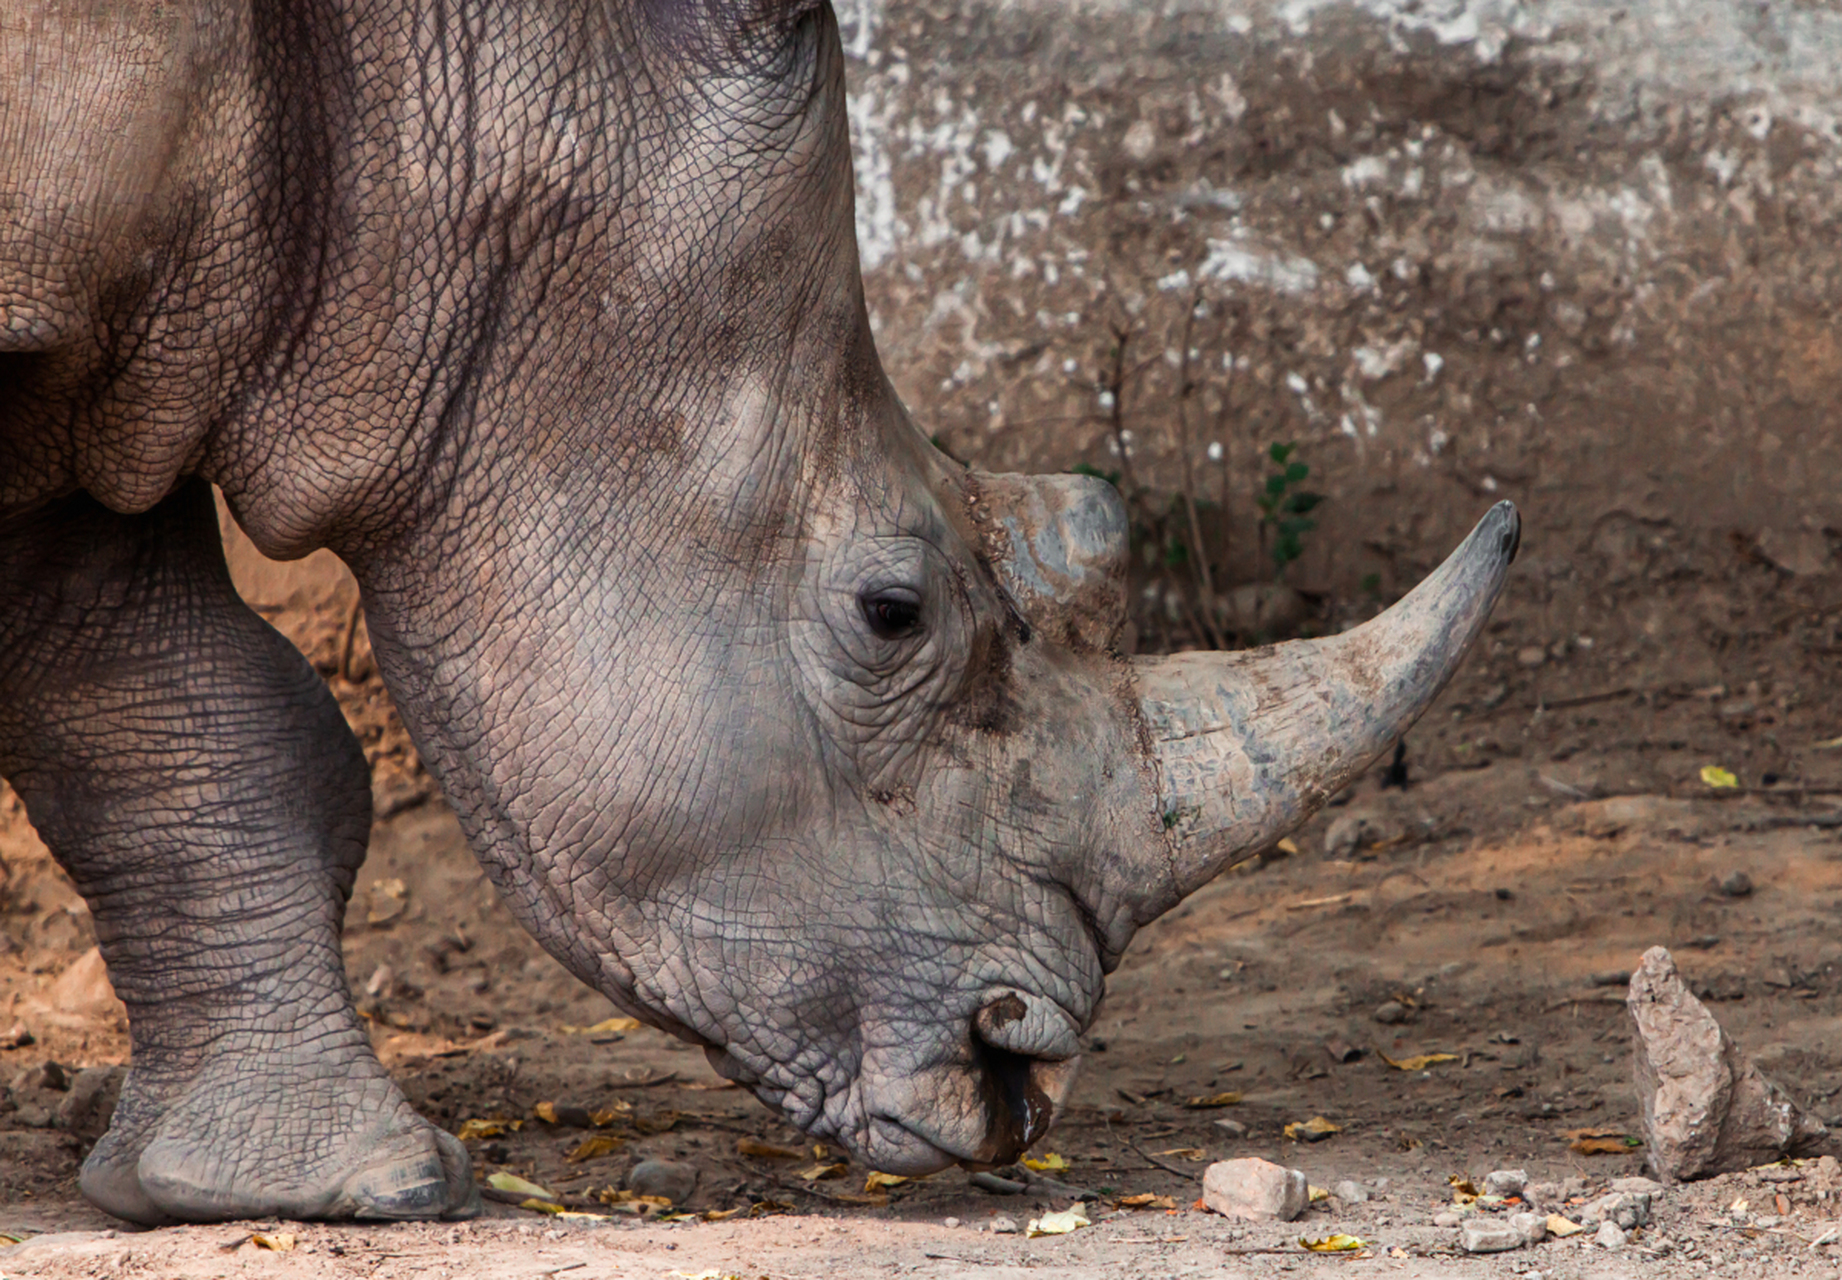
773 724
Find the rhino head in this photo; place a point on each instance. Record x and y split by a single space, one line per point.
773 723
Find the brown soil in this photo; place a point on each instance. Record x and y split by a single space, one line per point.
1553 826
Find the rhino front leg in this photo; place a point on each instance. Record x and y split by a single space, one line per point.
195 777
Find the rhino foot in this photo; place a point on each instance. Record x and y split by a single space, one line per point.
308 1143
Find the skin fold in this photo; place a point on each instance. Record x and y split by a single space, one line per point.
773 724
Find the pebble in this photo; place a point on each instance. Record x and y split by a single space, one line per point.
1391 1012
1350 1191
1488 1235
1610 1236
1004 1225
949 1222
1736 884
1447 1218
1532 1227
1506 1182
1531 656
1233 1128
666 1178
1257 1190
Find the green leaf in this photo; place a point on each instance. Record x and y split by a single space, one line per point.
1296 472
1280 452
1303 501
1275 485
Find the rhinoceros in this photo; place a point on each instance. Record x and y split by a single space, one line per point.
789 734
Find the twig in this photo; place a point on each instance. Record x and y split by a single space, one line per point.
1185 448
1187 1175
351 636
665 1078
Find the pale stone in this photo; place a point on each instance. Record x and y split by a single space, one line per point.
1257 1190
1488 1235
1706 1108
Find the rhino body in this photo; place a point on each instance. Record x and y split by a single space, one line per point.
784 731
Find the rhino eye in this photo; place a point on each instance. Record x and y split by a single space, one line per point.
892 612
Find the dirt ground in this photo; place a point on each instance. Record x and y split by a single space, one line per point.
1594 277
1553 826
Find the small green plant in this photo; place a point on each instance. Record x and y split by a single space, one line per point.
1085 469
1285 508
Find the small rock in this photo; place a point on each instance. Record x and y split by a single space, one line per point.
46 1075
1350 1191
1736 884
1543 1194
84 989
1627 1210
17 1038
666 1178
1233 1128
1447 1218
949 1222
1004 1226
1506 1182
1488 1235
1610 1236
1532 1227
1706 1108
1257 1190
1641 1186
89 1106
1391 1012
1531 656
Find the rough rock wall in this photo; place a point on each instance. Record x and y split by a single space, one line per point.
1577 254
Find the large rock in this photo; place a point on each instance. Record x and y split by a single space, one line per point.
1257 1190
1706 1107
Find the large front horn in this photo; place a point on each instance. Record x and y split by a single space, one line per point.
1248 745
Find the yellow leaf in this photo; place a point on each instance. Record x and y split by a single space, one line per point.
766 1150
1335 1244
602 1144
1287 847
609 1114
819 1172
515 1185
1204 1103
475 1130
1317 1194
1185 1153
1463 1186
616 1199
1600 1142
720 1215
1049 1162
1145 1200
878 1180
541 1206
1560 1228
545 1111
1419 1062
1313 1130
278 1242
1057 1224
607 1026
1715 776
1828 744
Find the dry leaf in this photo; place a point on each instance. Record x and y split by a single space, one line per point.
1287 846
1419 1062
609 1114
389 899
1315 1129
1601 1142
1145 1200
545 1111
720 1215
766 1150
1185 1153
602 1144
1715 776
1739 1206
819 1172
1828 744
607 1026
1057 1224
877 1181
1560 1228
277 1242
609 1196
1317 1193
475 1130
535 1205
515 1185
1049 1162
1335 1244
1214 1100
